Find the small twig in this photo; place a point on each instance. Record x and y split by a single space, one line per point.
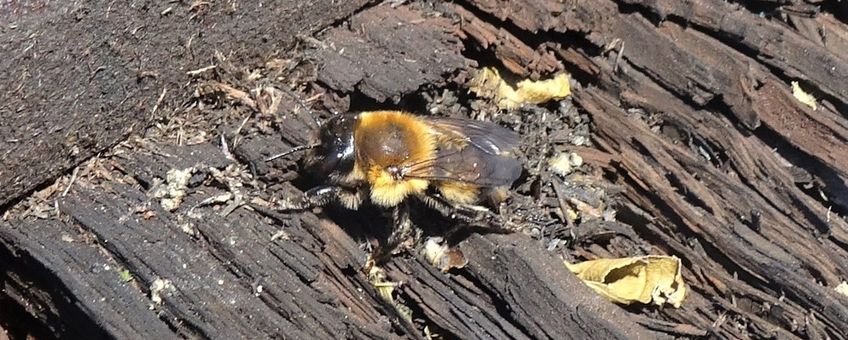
201 70
159 101
233 94
222 198
314 98
236 133
270 213
235 204
73 179
225 149
563 204
618 57
180 134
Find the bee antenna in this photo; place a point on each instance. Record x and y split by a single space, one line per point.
293 150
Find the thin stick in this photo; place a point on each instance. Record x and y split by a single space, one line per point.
618 57
73 179
159 101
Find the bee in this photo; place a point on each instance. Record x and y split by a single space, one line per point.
391 157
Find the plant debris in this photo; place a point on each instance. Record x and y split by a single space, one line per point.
644 279
802 96
488 83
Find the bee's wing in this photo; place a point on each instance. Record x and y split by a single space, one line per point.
471 151
486 136
473 165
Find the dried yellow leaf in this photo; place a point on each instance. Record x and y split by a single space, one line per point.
645 279
488 83
802 96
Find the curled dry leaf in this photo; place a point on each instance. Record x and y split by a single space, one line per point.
488 83
644 279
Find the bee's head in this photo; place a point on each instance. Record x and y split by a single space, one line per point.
333 151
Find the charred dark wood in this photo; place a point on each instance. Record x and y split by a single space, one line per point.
79 77
509 282
692 115
652 67
385 53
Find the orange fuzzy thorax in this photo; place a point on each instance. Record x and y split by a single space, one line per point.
392 139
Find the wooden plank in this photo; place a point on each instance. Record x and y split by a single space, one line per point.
509 282
708 219
78 77
791 239
368 55
538 284
770 41
226 276
66 281
696 131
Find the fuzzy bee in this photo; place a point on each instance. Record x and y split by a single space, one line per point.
390 157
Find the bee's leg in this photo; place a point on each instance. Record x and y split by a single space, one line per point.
438 205
471 216
313 198
352 199
401 231
402 226
446 208
322 195
319 197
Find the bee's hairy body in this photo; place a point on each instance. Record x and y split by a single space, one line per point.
389 145
387 157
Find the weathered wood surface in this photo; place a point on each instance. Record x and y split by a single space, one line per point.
78 77
692 119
